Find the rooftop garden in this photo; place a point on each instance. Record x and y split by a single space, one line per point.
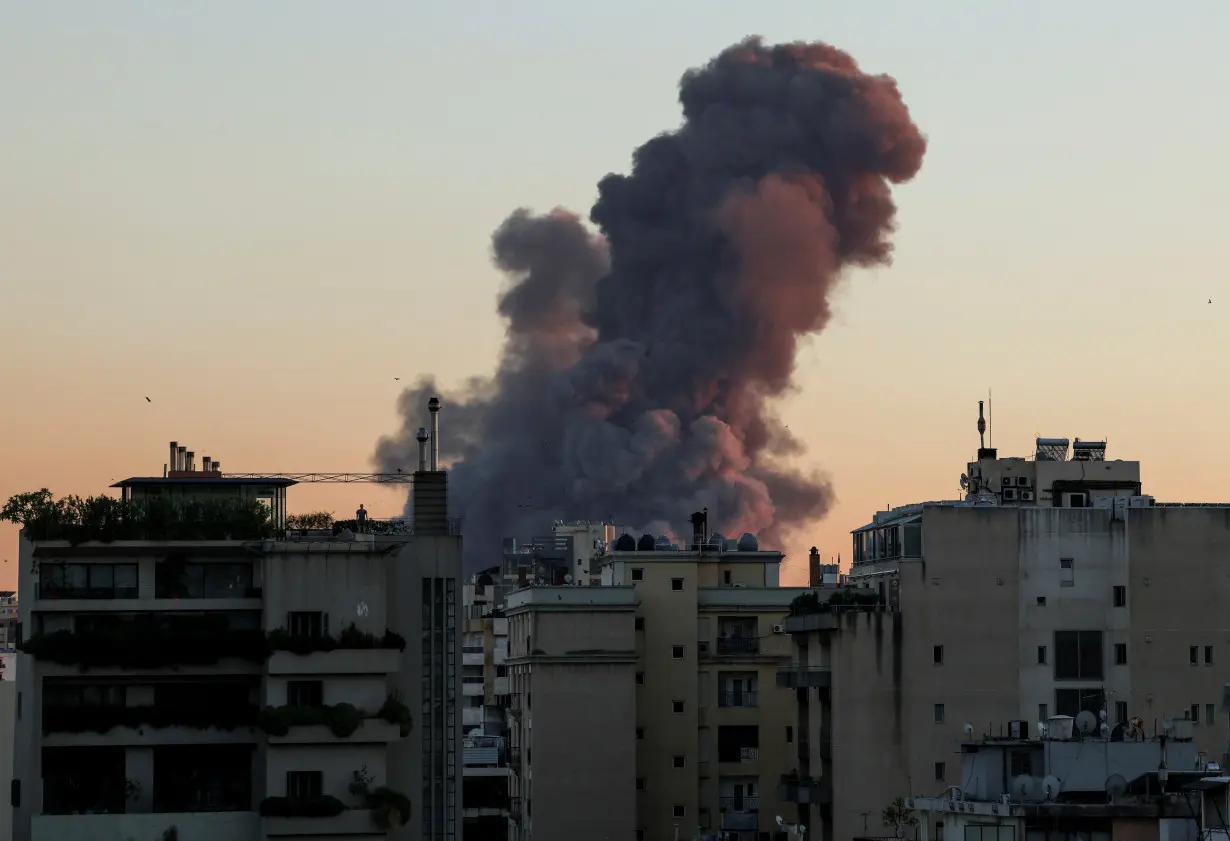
341 719
838 601
101 719
106 519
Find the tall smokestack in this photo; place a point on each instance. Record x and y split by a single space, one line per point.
174 456
181 457
422 439
205 462
190 464
433 406
814 577
217 465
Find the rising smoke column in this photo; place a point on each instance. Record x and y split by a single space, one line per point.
639 368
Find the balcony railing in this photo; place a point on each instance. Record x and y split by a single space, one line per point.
740 813
738 699
796 789
795 677
727 646
740 804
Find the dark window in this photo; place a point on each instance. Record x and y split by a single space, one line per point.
1121 654
639 623
1120 595
676 583
1078 655
640 678
640 783
989 832
307 623
640 835
725 576
937 654
1043 715
1067 572
15 794
1075 701
1193 654
789 733
940 769
1194 714
913 540
939 831
677 652
305 693
1021 762
640 732
1210 713
1208 655
939 713
1041 601
1042 655
678 760
87 581
302 785
679 810
638 574
738 743
1121 713
677 706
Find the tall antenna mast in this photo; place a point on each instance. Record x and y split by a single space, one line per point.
982 429
990 418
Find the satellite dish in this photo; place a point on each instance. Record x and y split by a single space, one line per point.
964 482
1104 729
1168 726
1101 715
1025 788
567 579
968 730
1042 729
1051 787
1086 722
1116 787
780 822
362 609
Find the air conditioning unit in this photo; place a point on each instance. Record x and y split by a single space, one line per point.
1007 482
1027 496
1023 482
1009 494
779 629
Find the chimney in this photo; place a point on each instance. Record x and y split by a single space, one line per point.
205 462
190 464
422 439
700 528
217 466
430 496
174 456
815 577
181 457
433 406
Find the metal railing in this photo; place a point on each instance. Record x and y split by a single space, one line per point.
738 699
738 645
740 804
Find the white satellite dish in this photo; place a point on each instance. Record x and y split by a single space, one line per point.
1051 787
362 609
1024 788
968 730
567 579
1116 787
1104 730
1086 722
1042 729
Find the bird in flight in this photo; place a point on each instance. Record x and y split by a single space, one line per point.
398 378
147 400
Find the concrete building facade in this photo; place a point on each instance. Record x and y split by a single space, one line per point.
240 686
1054 587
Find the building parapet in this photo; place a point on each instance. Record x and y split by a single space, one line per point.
571 598
747 598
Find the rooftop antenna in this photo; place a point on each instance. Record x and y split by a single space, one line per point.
982 428
990 419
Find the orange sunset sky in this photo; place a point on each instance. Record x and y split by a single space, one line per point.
259 220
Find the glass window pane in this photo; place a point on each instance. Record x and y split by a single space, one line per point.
76 577
125 581
102 579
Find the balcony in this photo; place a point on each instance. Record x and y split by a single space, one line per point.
740 813
350 661
796 789
371 731
352 822
473 687
808 622
794 677
192 826
738 646
738 699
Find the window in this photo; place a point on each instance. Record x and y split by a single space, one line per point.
1075 701
87 581
1042 655
939 771
640 783
1067 572
639 623
1021 763
640 835
1210 714
305 693
1078 655
789 733
1121 654
679 810
678 761
677 707
937 654
725 576
638 574
1041 601
1043 713
1120 593
676 584
939 713
303 785
989 832
1194 714
939 831
307 623
1208 655
1193 654
676 652
640 732
640 678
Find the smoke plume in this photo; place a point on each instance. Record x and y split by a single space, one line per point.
640 367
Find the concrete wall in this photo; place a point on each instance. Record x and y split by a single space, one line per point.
195 826
349 586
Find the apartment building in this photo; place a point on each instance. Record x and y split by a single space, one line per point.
1054 587
191 669
573 670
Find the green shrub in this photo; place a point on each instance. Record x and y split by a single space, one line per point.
149 642
103 719
390 809
341 719
350 638
395 712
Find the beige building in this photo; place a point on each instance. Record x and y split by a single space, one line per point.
1054 587
224 676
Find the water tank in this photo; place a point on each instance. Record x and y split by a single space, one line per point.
662 543
626 543
749 543
645 544
1059 727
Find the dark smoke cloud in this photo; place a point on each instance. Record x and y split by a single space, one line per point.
639 368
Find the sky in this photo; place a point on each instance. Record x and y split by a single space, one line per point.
258 215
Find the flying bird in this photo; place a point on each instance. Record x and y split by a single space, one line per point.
147 400
396 378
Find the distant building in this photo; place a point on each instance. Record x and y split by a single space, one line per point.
222 675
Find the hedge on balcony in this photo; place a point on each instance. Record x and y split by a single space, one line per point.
324 806
390 809
840 600
150 642
350 638
105 518
341 719
103 719
395 712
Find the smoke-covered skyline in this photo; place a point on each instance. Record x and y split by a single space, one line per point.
641 363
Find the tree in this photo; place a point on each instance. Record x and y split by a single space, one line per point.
898 816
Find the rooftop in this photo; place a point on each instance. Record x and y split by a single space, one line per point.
203 479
